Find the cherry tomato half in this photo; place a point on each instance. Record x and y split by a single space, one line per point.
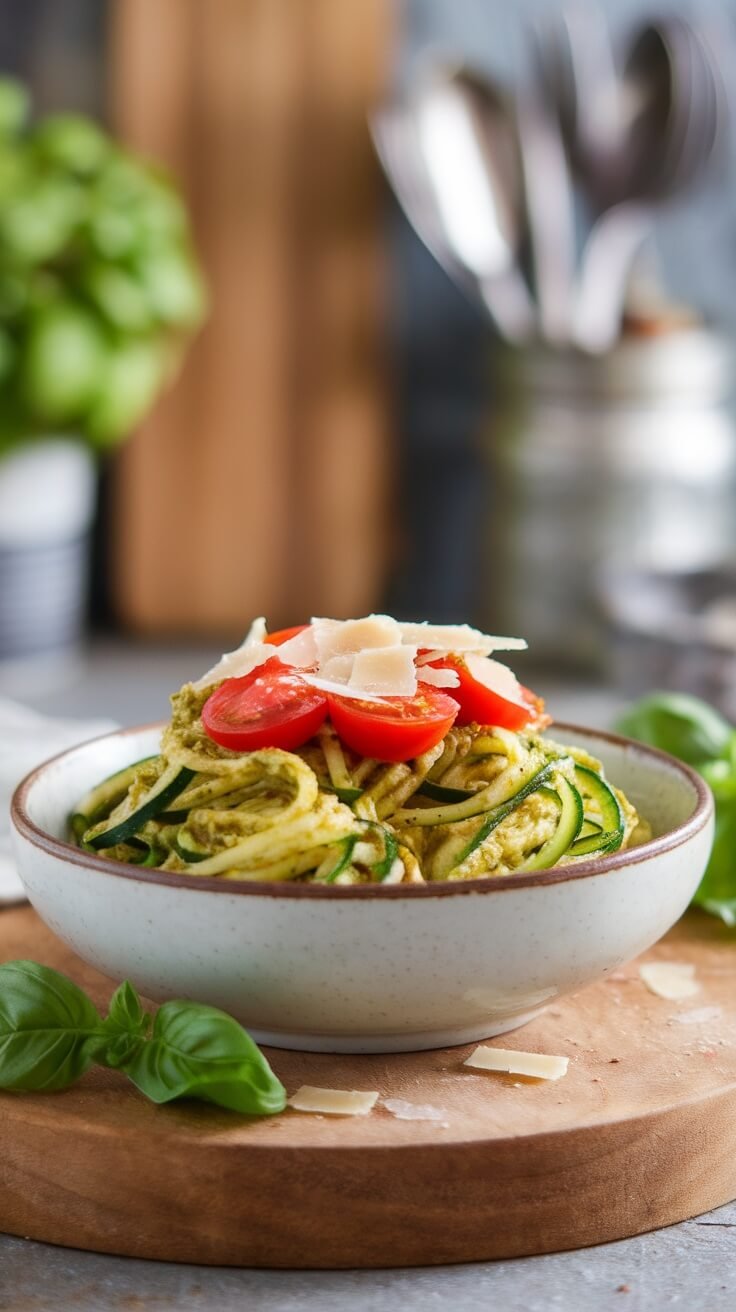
396 729
481 705
283 635
270 707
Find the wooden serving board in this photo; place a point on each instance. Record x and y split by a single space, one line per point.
640 1133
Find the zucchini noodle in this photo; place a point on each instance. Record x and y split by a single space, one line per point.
484 802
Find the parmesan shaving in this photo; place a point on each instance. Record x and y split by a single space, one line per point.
338 668
236 664
336 636
538 1065
496 677
439 678
333 1102
670 979
339 689
299 651
387 671
457 637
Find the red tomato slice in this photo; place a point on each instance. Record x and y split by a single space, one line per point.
396 729
283 635
270 707
480 705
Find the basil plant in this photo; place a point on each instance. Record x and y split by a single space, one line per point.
99 283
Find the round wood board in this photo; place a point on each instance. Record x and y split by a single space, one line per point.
640 1133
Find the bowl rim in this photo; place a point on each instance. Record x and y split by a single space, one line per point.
673 838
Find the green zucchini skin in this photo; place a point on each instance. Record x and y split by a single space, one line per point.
157 800
100 800
382 869
439 793
494 818
610 839
568 827
343 861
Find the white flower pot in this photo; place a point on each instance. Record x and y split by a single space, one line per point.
47 501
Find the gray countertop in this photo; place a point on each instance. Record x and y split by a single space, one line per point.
692 1265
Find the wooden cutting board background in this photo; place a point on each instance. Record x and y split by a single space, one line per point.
640 1133
261 484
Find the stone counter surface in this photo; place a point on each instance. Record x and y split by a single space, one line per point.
690 1266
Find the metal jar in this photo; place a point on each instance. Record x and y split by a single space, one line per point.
627 459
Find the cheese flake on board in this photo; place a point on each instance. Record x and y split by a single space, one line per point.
538 1065
387 671
670 979
333 1102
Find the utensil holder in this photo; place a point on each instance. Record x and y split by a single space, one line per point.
627 459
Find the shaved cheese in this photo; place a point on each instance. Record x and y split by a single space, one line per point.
235 664
538 1065
333 1102
670 979
336 636
457 637
339 689
438 678
387 671
256 633
338 668
299 651
496 677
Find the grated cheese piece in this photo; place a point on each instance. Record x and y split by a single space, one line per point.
670 979
336 636
538 1065
338 668
387 671
414 1111
333 1102
236 664
300 651
495 676
438 678
457 637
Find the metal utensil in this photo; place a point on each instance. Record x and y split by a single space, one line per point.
450 151
676 114
550 206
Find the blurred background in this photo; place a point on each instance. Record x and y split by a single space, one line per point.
391 305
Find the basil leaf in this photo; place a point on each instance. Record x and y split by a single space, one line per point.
125 1028
48 1028
696 733
680 724
125 1013
197 1051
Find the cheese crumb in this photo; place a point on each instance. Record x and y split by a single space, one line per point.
538 1065
335 1102
670 979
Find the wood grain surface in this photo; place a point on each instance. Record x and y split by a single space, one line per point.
639 1134
273 445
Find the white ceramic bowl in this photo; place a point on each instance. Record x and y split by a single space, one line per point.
365 969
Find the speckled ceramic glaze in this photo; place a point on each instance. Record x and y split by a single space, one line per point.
371 969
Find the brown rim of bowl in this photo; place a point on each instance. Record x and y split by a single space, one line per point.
447 888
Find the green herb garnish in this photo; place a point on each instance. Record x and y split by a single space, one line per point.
51 1033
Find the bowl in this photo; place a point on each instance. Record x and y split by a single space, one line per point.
365 969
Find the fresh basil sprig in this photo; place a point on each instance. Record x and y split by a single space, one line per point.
695 732
51 1033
